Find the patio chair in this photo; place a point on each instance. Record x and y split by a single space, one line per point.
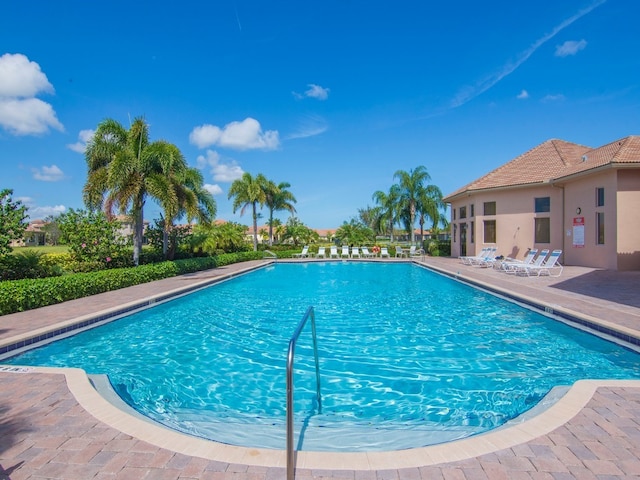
345 251
304 253
384 252
333 252
510 264
400 252
550 265
366 253
522 269
484 259
468 259
355 252
415 251
321 253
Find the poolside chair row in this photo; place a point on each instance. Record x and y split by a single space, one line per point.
543 264
486 258
358 252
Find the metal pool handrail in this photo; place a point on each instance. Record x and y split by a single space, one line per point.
290 354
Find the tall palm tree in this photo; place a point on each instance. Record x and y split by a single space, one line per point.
249 191
122 167
278 198
179 190
411 185
429 206
388 203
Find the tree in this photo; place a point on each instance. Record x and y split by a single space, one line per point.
388 203
298 232
179 191
124 168
12 220
354 233
278 198
429 206
227 237
410 188
249 191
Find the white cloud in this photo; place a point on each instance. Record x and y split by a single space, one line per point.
213 189
36 212
21 78
81 145
309 127
570 47
553 98
469 93
314 91
48 174
222 172
244 135
20 112
523 95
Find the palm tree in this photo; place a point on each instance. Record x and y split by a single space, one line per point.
249 191
278 198
429 206
388 203
179 191
122 168
411 185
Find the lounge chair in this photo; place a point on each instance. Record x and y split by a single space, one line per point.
366 253
522 269
384 252
333 252
345 251
355 252
415 251
468 259
509 264
321 252
548 267
483 259
400 252
304 253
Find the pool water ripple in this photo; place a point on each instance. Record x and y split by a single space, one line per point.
401 348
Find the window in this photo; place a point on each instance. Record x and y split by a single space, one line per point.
542 204
543 230
489 208
463 212
454 213
455 232
473 210
600 197
600 228
473 230
490 231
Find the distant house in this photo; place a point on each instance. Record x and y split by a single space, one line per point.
558 195
34 235
126 227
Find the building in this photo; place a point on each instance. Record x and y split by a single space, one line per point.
558 195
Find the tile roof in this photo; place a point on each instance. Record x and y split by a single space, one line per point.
555 159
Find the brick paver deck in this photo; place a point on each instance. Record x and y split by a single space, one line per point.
46 433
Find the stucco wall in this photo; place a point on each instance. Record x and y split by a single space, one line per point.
628 223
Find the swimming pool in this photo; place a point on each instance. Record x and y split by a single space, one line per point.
406 354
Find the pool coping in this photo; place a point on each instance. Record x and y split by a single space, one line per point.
556 415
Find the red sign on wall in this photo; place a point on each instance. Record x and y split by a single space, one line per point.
578 232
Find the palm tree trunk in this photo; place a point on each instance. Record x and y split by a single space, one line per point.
271 228
255 228
138 228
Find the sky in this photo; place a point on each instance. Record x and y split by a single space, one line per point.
332 97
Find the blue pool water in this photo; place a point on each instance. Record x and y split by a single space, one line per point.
407 358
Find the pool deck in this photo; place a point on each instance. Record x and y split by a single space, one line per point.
54 425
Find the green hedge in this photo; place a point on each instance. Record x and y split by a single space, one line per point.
27 294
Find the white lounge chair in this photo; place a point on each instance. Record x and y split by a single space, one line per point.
304 253
400 252
550 265
345 251
384 252
366 253
321 252
540 259
355 252
333 252
509 264
415 251
483 260
468 259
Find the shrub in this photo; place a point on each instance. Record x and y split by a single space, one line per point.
22 295
27 264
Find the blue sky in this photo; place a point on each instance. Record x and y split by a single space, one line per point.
332 97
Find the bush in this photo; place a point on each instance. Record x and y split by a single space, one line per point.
27 294
28 264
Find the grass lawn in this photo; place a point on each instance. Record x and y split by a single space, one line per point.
43 249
